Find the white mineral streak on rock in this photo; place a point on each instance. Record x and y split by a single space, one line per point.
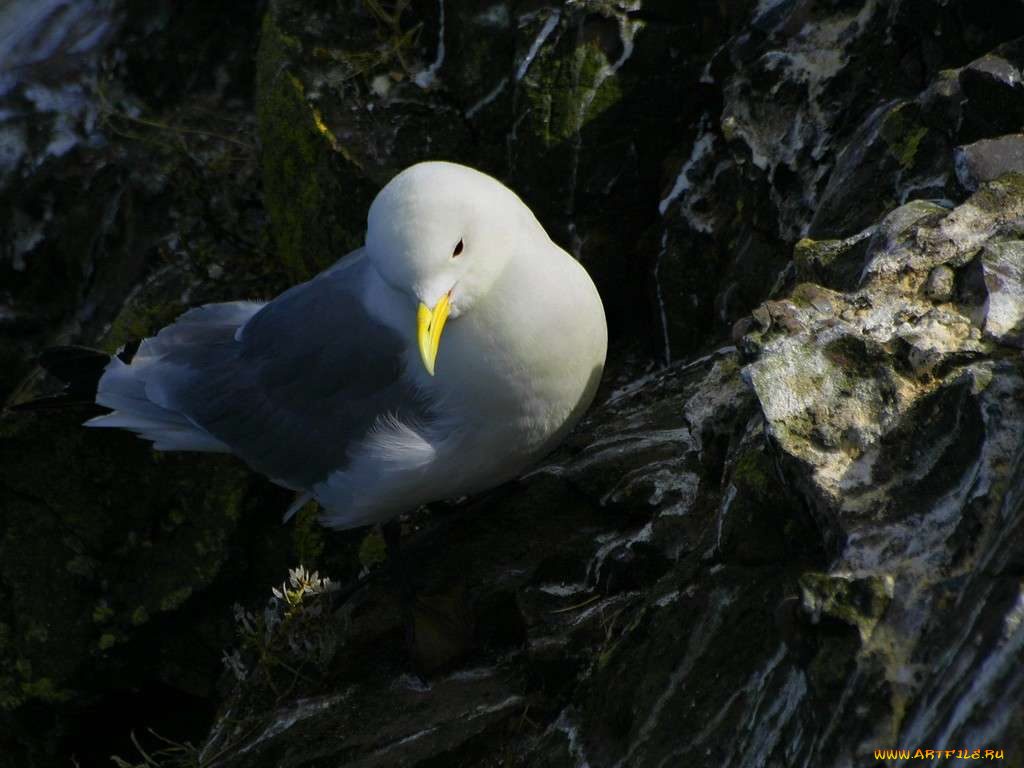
723 511
302 709
606 448
566 726
488 98
778 136
563 589
626 540
935 182
490 709
428 76
669 598
970 676
765 727
699 640
450 721
662 312
995 682
765 7
475 673
545 31
411 683
702 147
632 387
754 690
602 607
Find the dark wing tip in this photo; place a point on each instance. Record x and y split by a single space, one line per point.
78 368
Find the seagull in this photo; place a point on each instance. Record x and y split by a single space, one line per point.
453 350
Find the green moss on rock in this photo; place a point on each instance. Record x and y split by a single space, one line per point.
859 602
754 471
567 92
903 133
313 219
1004 196
834 263
94 501
372 550
138 320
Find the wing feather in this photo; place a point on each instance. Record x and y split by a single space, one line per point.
292 388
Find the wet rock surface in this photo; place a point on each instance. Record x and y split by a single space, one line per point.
788 533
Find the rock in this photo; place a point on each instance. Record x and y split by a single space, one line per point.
912 473
998 275
994 93
989 159
859 602
940 284
834 263
806 542
757 524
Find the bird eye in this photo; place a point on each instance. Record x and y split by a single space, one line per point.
458 249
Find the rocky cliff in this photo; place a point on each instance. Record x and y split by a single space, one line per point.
791 530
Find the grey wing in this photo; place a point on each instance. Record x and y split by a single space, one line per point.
303 382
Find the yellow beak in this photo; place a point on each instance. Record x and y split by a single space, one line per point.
429 324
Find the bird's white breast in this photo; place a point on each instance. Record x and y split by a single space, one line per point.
514 373
517 370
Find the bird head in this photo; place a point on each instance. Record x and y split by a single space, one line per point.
442 234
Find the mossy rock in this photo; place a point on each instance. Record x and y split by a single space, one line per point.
100 534
302 193
762 521
328 142
836 264
903 131
1003 197
101 539
859 602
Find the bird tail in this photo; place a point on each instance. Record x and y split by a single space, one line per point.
123 388
132 388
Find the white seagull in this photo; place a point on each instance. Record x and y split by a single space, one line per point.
453 350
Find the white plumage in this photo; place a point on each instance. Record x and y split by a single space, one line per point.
326 388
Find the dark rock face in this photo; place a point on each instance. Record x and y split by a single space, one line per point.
796 543
988 159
